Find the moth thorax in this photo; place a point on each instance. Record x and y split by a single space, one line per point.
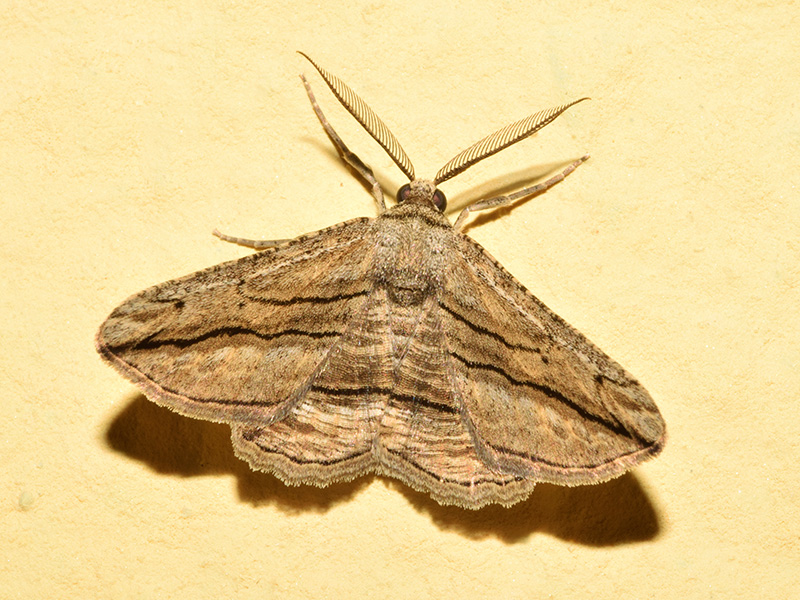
422 191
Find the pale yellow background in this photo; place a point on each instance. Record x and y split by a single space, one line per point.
127 133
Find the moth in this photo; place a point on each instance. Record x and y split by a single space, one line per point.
395 345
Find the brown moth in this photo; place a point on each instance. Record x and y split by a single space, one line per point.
395 345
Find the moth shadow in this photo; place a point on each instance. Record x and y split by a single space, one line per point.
616 512
613 513
497 186
171 444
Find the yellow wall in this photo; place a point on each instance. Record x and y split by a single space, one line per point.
128 133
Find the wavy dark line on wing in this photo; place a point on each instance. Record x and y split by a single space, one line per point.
614 426
310 299
151 344
304 461
367 390
492 334
533 458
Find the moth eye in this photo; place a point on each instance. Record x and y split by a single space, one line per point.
402 193
439 201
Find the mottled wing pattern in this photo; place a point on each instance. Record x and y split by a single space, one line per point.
424 438
541 401
245 340
327 433
287 346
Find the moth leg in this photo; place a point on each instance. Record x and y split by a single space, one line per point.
255 244
349 157
509 198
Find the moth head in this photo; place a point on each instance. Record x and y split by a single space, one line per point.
422 191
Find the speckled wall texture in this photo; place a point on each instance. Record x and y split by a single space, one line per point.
128 134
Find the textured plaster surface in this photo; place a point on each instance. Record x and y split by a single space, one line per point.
128 133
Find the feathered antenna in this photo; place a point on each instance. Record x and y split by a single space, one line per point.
505 137
368 119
